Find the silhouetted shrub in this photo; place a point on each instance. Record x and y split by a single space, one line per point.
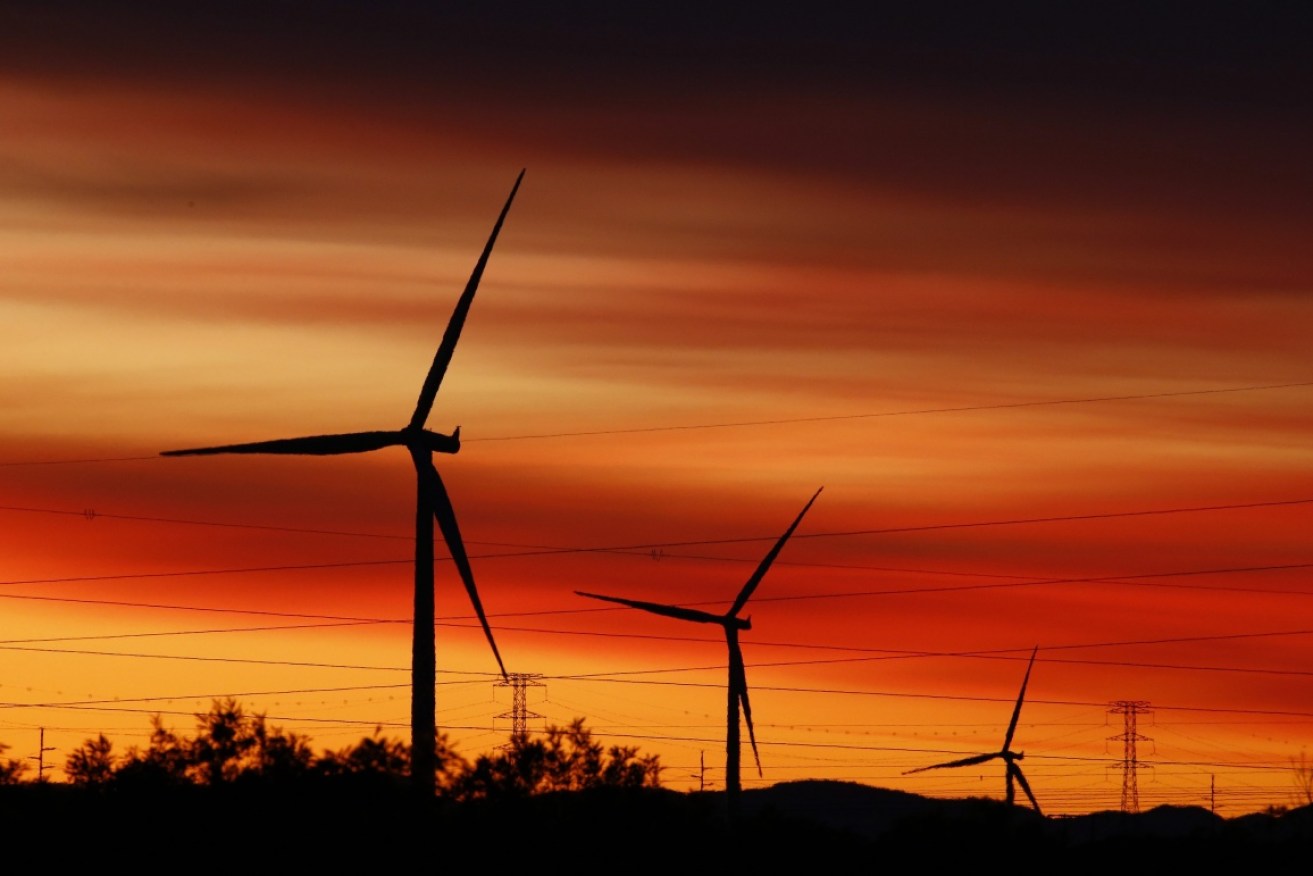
565 759
11 771
233 748
92 763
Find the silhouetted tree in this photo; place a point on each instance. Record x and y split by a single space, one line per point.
566 759
386 759
162 763
1303 779
232 748
275 755
92 763
11 771
378 755
222 744
229 745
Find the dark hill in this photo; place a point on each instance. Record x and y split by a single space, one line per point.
818 826
968 832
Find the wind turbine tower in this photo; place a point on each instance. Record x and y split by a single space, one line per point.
1011 759
433 505
737 708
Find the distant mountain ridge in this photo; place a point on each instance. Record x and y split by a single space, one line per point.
880 816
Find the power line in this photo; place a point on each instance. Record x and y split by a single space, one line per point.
539 550
191 573
336 620
1014 580
896 749
90 514
891 654
1141 580
1066 518
1281 713
158 634
781 421
298 718
903 413
204 608
223 696
1025 582
194 658
651 545
652 737
884 655
120 701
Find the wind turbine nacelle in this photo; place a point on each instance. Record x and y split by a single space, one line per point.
435 442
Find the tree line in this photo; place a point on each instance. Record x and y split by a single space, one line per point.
234 748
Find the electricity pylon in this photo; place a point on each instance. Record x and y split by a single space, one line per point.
1130 709
519 714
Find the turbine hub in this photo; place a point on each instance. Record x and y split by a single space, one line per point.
434 442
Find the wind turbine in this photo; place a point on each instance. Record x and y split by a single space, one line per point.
1006 753
738 679
432 504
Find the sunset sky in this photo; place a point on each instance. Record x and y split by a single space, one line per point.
1031 299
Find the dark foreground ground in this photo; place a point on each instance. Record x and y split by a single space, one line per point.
821 827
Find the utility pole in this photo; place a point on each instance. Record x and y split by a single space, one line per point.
40 757
1130 709
519 714
702 771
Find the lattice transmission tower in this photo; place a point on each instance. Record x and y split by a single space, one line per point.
519 683
1130 710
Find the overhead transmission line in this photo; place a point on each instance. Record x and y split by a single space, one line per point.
599 678
538 550
1015 581
328 621
903 413
783 420
119 706
882 654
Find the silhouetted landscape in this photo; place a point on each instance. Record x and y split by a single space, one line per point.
558 800
341 823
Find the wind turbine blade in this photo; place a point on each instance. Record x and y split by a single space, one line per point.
442 358
446 517
675 611
1016 712
966 761
1025 786
740 682
314 445
746 592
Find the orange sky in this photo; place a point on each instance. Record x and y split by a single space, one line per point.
966 290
